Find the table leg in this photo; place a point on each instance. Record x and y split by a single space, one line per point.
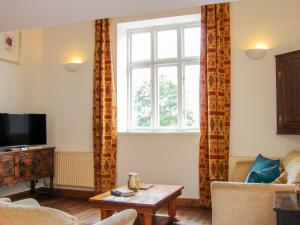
105 213
148 218
172 210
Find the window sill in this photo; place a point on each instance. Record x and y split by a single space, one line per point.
159 133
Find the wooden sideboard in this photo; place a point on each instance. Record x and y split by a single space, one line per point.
287 208
27 165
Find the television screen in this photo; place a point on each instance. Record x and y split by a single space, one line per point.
22 129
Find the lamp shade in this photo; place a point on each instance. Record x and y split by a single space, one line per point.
256 53
73 67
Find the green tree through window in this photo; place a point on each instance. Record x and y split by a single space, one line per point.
168 104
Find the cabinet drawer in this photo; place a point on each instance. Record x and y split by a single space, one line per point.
26 166
8 169
36 164
43 163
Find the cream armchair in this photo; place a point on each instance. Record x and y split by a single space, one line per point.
29 212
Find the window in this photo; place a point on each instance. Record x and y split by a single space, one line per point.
163 77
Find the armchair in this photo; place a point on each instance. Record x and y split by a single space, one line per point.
29 211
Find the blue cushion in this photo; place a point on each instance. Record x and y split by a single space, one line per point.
267 175
261 163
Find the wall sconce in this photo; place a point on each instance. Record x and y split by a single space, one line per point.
258 52
73 66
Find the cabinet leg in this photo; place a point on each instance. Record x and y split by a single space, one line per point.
32 187
51 189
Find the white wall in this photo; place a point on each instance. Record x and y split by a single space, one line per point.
14 86
160 159
67 96
253 118
20 84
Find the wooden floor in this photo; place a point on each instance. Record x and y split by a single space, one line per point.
89 215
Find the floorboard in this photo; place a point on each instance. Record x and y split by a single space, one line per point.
88 215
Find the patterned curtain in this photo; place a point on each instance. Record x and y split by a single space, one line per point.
104 110
215 97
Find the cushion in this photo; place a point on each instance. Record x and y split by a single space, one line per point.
282 179
261 163
267 175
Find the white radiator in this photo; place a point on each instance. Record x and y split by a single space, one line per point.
74 169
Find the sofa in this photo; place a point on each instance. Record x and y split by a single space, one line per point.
29 212
236 202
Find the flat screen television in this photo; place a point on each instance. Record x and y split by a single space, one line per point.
22 129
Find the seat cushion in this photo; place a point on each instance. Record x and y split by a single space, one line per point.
261 163
267 175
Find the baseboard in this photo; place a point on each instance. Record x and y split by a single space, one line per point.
73 193
188 202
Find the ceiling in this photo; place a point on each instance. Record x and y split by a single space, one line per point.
21 14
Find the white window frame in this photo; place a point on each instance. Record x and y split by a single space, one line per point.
154 63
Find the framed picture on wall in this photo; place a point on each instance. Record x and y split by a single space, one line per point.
10 45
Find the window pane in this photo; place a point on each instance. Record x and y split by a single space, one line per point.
167 44
141 98
191 41
141 46
168 96
191 95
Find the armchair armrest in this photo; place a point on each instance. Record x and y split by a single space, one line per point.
27 215
5 200
27 201
126 217
233 202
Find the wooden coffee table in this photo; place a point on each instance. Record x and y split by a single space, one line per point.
145 202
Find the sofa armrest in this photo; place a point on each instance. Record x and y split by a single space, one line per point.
27 215
233 202
126 217
5 200
27 201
